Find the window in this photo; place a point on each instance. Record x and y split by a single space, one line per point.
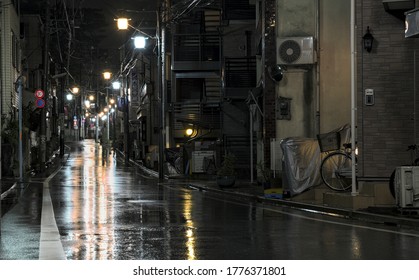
15 52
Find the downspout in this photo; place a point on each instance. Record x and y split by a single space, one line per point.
1 84
160 77
317 73
43 137
1 93
353 97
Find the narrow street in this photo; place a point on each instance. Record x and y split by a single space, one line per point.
87 210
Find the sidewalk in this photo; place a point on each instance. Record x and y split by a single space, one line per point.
10 188
384 215
243 190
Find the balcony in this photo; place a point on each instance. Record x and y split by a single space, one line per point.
240 76
196 52
205 115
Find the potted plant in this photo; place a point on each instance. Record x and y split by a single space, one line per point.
265 174
226 174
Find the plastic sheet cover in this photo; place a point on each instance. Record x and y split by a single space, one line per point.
302 159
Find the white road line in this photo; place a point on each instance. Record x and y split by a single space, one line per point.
50 246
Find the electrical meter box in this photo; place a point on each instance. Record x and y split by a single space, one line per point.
406 183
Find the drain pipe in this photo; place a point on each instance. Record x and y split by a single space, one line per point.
20 87
353 97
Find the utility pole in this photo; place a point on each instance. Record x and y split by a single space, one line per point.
160 34
20 89
43 138
126 119
61 113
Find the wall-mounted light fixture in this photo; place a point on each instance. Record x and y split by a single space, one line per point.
191 132
368 40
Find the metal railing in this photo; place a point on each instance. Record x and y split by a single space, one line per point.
196 47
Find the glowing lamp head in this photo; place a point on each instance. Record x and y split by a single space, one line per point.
189 132
116 85
107 75
75 90
122 23
139 42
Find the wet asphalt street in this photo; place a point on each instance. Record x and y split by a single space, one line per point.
93 211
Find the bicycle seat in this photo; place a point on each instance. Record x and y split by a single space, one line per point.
347 145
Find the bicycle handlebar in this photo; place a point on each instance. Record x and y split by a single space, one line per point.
411 147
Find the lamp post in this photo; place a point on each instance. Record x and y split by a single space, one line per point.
76 90
123 24
107 76
71 112
116 85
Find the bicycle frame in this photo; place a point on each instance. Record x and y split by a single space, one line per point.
336 169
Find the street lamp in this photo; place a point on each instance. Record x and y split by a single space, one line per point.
116 85
75 90
123 24
78 113
140 42
107 76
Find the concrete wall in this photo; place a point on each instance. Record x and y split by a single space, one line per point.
334 64
297 19
321 92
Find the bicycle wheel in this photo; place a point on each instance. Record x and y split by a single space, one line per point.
336 171
391 184
179 164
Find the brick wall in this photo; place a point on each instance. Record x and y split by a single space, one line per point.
386 128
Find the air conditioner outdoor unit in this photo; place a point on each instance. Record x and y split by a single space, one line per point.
406 183
198 160
296 50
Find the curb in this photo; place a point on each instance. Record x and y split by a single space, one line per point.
321 209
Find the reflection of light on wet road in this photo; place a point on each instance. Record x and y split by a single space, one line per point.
190 236
356 246
92 210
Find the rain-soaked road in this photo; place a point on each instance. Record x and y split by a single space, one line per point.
113 212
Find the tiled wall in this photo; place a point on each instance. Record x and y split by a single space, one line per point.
386 128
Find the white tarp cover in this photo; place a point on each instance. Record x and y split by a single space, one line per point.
302 159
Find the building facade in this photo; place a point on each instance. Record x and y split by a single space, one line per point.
213 73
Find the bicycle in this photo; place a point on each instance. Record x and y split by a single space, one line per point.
174 156
336 166
209 165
